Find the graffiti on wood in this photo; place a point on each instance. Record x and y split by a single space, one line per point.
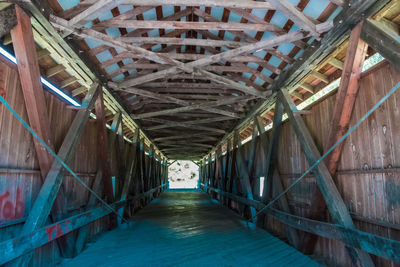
10 208
56 230
2 89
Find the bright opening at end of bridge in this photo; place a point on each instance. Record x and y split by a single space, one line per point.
183 174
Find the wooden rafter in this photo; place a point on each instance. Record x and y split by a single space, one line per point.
292 13
171 99
216 58
225 101
314 55
185 136
168 124
164 59
92 12
180 41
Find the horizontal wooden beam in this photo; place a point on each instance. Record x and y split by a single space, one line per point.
63 25
132 13
297 95
350 16
15 247
55 70
308 87
270 43
371 243
245 14
193 122
169 124
336 63
231 81
383 40
185 25
183 85
225 101
182 56
185 144
211 3
320 76
185 150
180 41
196 96
93 11
171 99
215 68
159 58
76 63
200 136
292 13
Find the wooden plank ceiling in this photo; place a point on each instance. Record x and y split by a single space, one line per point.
189 73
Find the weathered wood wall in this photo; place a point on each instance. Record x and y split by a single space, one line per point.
20 178
369 169
367 194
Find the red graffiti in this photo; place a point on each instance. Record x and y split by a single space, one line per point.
2 89
10 210
55 231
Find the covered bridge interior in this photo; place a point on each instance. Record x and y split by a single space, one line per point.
288 107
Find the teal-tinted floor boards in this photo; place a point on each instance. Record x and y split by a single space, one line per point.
187 228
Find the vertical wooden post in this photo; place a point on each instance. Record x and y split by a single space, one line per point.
102 141
115 125
209 172
28 68
35 103
228 168
132 163
117 120
245 178
277 185
83 232
272 150
346 95
165 179
216 173
220 171
253 149
212 173
232 171
334 201
200 174
345 100
122 156
142 166
150 172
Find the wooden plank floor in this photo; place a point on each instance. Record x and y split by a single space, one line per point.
187 228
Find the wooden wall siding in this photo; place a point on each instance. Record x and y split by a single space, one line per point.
373 197
371 146
19 190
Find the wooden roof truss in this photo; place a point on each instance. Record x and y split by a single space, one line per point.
172 66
